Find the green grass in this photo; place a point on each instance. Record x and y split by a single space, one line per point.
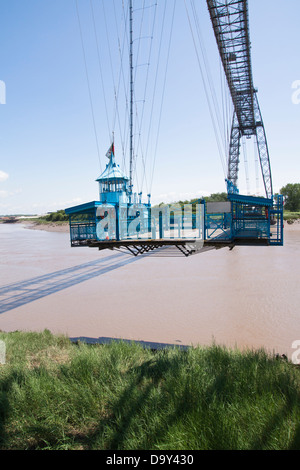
57 395
287 215
58 217
44 221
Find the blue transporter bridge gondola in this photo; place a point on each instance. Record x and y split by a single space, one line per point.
119 220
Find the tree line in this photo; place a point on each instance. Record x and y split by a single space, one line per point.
290 192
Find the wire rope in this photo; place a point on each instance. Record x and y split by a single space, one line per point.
125 83
100 68
163 93
256 160
246 165
154 91
88 84
209 76
221 155
140 121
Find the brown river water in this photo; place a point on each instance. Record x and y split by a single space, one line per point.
248 297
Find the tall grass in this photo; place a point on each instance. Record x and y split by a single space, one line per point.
56 395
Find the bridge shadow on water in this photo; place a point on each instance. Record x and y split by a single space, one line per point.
23 292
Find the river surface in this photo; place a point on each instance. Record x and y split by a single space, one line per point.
248 297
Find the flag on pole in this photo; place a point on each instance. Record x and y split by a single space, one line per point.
110 151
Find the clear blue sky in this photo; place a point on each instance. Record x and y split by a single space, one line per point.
48 149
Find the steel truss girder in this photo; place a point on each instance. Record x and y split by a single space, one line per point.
160 247
263 151
231 27
234 150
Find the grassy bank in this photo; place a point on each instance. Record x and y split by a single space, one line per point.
57 395
291 216
43 221
58 218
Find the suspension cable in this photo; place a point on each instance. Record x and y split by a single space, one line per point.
256 157
207 94
139 122
163 93
208 73
246 165
100 67
154 92
88 84
121 78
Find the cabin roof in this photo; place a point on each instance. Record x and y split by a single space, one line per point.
89 206
253 200
112 171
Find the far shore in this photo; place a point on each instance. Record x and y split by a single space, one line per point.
48 227
64 227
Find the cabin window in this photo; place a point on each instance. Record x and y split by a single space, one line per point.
115 186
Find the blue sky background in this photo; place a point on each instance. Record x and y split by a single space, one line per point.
48 150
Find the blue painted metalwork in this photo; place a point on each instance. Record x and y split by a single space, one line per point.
231 187
111 216
113 184
218 226
276 221
251 218
250 200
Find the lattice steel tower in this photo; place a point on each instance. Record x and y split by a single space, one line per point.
231 27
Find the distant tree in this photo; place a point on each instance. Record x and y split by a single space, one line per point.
217 197
291 194
58 216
